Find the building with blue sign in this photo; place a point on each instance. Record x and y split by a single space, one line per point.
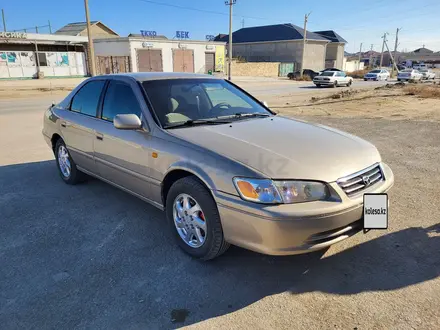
150 52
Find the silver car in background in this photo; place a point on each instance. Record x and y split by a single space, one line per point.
224 168
333 79
378 74
409 75
427 74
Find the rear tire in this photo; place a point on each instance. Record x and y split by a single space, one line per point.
349 83
214 243
335 84
318 85
66 165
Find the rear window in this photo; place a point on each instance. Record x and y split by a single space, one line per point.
375 71
328 74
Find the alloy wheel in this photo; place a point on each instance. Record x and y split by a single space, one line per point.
64 161
189 220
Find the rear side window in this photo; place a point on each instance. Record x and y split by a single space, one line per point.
119 99
87 99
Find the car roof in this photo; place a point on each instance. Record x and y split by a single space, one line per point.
147 76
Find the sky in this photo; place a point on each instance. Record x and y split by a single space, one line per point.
356 21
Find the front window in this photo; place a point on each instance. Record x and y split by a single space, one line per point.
375 71
178 101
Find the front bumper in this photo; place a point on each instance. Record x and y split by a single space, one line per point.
294 228
323 82
375 78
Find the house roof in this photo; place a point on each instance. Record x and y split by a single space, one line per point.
219 37
331 35
276 32
423 50
74 29
138 35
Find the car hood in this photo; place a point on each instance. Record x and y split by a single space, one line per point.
283 148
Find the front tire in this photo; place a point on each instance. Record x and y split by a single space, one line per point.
66 165
194 219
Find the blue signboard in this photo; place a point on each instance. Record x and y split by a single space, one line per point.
182 34
210 37
145 33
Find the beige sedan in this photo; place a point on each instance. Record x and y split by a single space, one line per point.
224 168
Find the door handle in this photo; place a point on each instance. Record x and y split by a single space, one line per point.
99 136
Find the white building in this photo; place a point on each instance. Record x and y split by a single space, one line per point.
24 55
154 54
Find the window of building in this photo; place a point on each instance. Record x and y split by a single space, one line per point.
87 99
42 59
119 99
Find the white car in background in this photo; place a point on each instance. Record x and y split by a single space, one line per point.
333 79
409 74
378 74
427 74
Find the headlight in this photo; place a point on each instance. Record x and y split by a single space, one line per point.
278 192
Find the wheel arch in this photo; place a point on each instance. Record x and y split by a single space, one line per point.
177 173
54 139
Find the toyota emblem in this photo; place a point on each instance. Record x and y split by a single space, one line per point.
366 180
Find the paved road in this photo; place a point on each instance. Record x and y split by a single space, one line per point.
287 87
93 257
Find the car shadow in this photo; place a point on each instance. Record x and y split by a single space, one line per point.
92 256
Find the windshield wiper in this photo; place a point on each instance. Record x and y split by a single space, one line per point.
242 115
194 122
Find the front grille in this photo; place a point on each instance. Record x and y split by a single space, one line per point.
357 182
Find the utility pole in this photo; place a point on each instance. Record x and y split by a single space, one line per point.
36 29
242 23
50 27
89 34
395 49
229 3
391 55
4 20
360 53
383 47
306 18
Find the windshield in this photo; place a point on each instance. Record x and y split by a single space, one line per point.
407 70
328 73
182 100
375 71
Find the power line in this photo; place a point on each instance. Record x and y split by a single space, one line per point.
198 9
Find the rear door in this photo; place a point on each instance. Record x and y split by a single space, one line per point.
123 156
77 122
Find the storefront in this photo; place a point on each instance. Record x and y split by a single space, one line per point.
29 55
137 54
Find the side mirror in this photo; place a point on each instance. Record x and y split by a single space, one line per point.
265 104
129 122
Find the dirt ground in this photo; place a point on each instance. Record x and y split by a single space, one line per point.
391 103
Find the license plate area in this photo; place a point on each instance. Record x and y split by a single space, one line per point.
375 212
